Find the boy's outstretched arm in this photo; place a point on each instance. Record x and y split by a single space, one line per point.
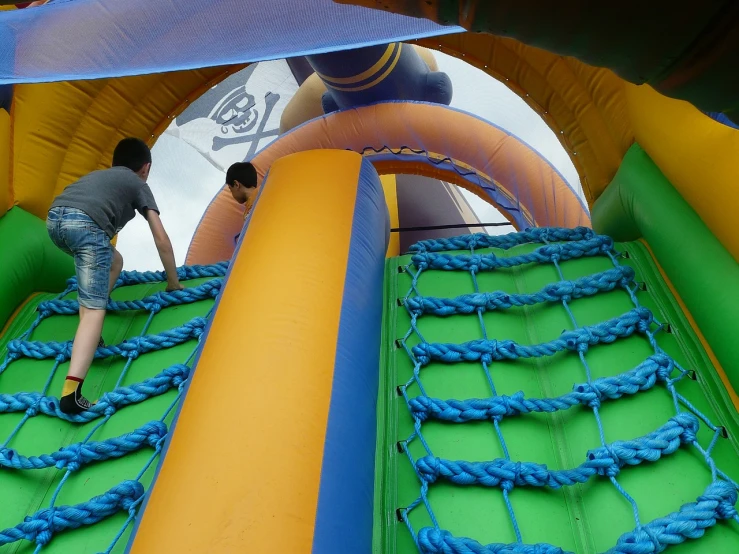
164 247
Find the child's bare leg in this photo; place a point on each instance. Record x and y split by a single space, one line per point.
83 352
85 342
87 338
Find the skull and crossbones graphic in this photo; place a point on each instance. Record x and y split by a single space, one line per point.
241 122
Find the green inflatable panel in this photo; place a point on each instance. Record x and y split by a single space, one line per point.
30 261
583 518
641 202
26 491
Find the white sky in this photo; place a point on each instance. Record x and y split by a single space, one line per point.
184 182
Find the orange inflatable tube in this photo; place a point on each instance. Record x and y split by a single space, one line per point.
420 138
294 361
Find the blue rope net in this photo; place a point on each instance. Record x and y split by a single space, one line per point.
40 527
605 462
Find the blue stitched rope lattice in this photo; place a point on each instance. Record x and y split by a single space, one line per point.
127 496
607 461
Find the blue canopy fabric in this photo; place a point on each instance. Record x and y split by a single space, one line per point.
86 39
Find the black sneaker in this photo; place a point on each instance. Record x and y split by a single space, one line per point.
74 403
101 343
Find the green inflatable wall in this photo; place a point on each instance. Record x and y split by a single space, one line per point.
641 202
30 261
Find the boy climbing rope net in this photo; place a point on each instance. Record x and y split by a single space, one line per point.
82 221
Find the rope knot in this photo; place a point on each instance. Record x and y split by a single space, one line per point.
606 244
45 525
604 461
665 366
71 457
43 537
422 352
154 307
517 472
594 401
612 470
507 484
197 328
592 395
645 319
421 261
157 434
109 410
689 424
725 510
628 276
421 407
32 411
486 358
429 468
585 338
725 497
130 492
178 374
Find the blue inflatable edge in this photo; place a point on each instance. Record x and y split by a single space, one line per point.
344 516
722 118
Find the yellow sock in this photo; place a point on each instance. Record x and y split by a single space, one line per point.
71 384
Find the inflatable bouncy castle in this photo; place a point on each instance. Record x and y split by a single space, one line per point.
331 381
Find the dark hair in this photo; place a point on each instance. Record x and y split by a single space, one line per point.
132 153
244 173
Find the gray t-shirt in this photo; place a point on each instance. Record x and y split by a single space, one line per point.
110 197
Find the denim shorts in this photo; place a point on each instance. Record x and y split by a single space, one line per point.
75 233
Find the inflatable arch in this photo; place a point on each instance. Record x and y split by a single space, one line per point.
499 168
